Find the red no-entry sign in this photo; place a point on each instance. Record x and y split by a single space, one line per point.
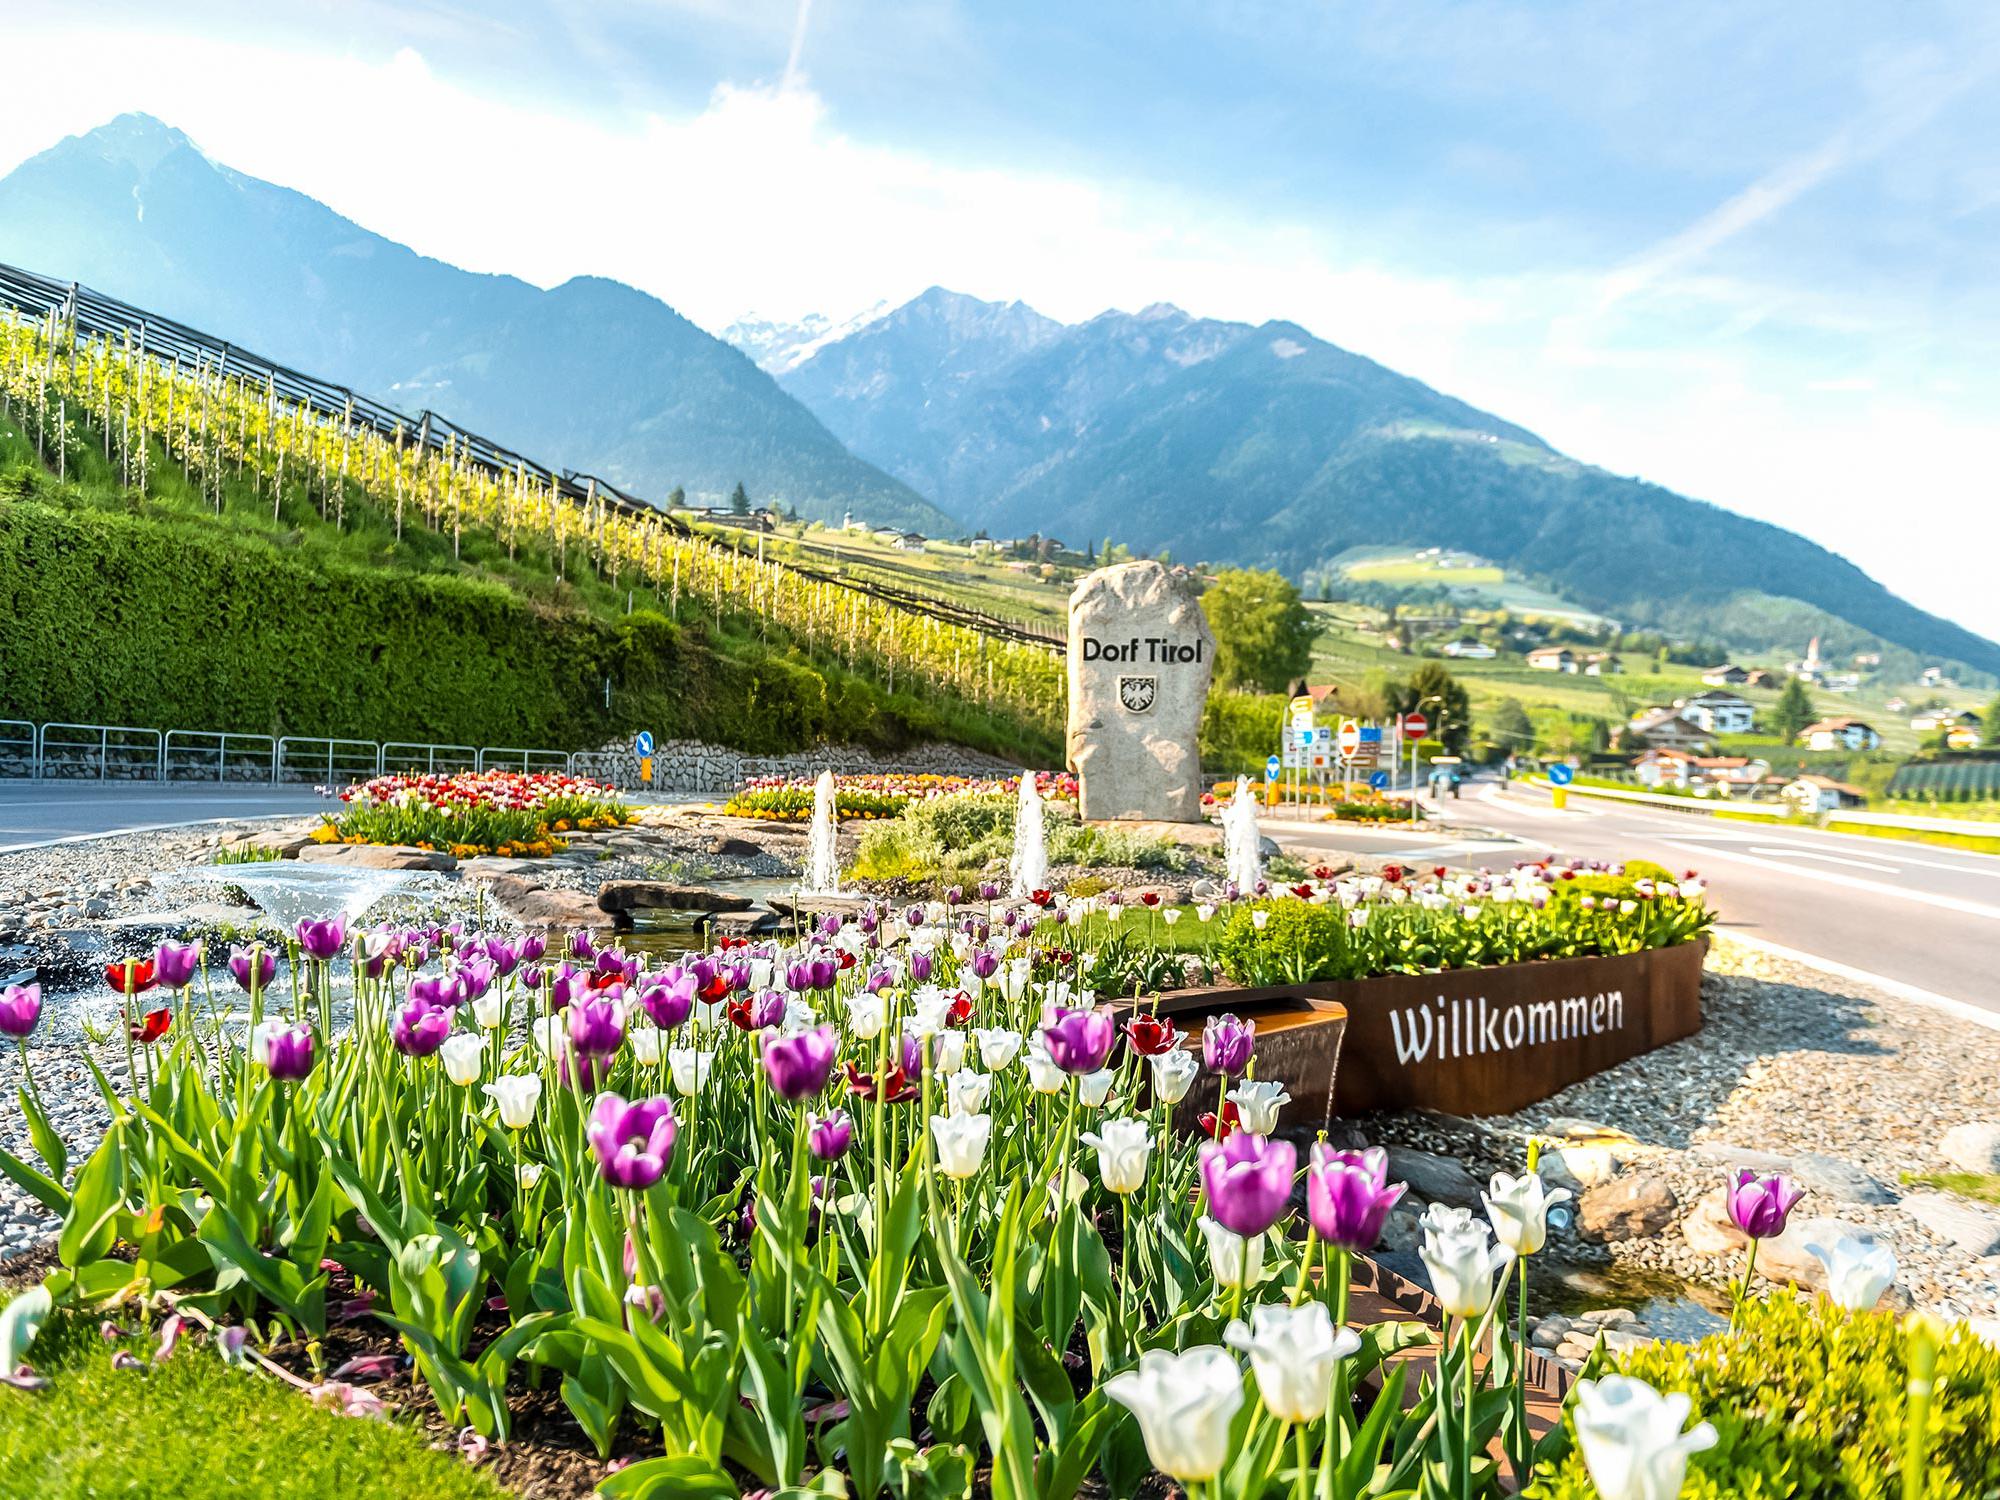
1415 725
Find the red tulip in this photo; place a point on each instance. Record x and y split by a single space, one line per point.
1230 1121
132 976
153 1027
1150 1036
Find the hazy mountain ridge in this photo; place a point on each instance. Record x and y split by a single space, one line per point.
591 374
1265 444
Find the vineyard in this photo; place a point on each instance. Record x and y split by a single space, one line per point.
249 434
1966 780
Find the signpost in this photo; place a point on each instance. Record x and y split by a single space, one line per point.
642 746
1560 776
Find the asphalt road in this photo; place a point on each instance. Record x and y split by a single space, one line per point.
37 813
1920 916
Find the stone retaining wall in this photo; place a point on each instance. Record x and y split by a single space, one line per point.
691 766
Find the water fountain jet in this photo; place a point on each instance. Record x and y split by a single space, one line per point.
1242 843
1028 865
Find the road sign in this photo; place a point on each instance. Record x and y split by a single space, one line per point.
1415 725
642 743
1272 766
1378 779
1306 735
1561 775
1302 711
1350 738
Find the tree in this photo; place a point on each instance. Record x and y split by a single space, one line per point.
1793 710
677 499
1511 727
1263 630
1442 699
739 501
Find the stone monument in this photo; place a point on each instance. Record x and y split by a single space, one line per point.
1140 656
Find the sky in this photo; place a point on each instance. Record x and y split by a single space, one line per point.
1744 251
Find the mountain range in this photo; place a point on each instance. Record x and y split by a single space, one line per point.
1217 441
1266 445
589 375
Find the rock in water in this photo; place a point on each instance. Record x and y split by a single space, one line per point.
1140 658
1632 1207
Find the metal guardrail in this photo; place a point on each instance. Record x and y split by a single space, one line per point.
135 753
396 756
1741 807
126 752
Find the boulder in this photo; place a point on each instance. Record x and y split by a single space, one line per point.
752 923
1708 1229
551 907
1140 658
728 846
620 896
1839 1181
378 857
1973 1147
1973 1230
1633 1207
287 842
1586 1164
1435 1179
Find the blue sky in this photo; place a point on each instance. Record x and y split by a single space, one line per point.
1747 251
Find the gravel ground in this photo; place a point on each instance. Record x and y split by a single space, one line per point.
1793 1070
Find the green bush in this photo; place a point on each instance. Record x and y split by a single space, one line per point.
1297 943
1239 731
955 839
1808 1401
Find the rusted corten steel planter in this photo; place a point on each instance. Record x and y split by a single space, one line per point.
1465 1041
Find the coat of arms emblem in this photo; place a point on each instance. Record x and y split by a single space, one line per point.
1138 693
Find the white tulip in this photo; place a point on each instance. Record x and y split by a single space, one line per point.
1462 1263
1171 915
762 972
1094 1088
966 1092
647 1042
1258 918
997 1046
1858 1272
516 1095
461 1055
1205 910
489 1010
1013 979
1124 1146
866 1015
1236 1261
1044 1077
260 1041
948 1051
1293 1351
930 1012
551 1034
798 1017
1257 1104
1173 1072
961 1142
528 1174
1631 1438
1185 1404
690 1068
1519 1210
1070 1188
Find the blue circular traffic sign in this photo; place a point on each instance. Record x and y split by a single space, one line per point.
1271 768
642 742
1378 779
1561 775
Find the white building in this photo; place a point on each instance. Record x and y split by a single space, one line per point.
1720 713
1839 734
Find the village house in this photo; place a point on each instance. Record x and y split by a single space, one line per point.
1839 734
1933 719
1552 659
1719 712
1760 678
1726 675
1677 769
1469 650
1963 737
1823 794
1602 664
1663 729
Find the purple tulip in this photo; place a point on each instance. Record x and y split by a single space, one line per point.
581 948
376 951
1348 1195
324 938
420 1029
632 1141
881 980
829 926
985 963
596 1026
829 1135
1248 1180
1226 1044
1079 1041
920 966
912 1056
825 971
440 991
914 916
954 895
564 984
758 1012
669 1001
239 967
868 921
798 976
1759 1206
476 975
20 1008
288 1054
611 961
174 964
799 1065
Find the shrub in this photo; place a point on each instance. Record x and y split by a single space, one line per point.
1810 1401
1297 943
954 839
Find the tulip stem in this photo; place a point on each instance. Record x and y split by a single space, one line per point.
1465 1474
1743 1288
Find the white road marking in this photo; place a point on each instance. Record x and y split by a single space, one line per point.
1494 795
1834 877
1836 859
1959 1008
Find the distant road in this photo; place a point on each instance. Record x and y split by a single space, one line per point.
1917 915
33 814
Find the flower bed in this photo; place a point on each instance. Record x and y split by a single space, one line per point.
865 1211
875 795
508 813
